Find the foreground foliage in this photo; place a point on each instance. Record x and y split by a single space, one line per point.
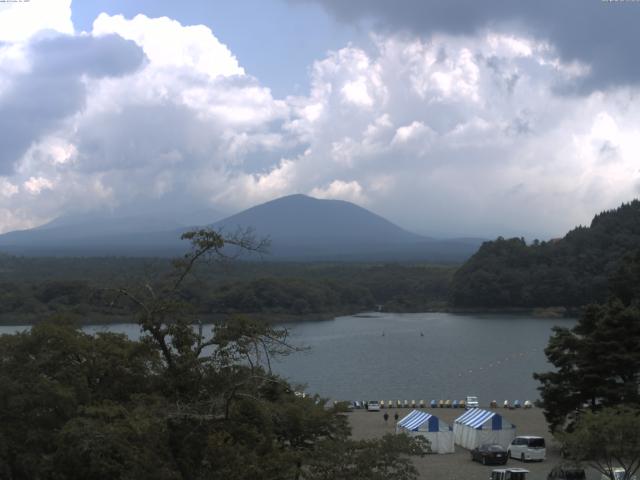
597 361
181 403
606 440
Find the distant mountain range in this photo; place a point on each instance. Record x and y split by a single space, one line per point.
300 228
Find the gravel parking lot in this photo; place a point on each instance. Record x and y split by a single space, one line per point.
458 466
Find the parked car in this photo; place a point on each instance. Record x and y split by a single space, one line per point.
490 453
528 448
567 472
373 406
509 474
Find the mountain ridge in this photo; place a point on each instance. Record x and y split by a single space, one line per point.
300 227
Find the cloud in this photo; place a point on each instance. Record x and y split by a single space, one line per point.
601 34
35 185
338 189
21 20
54 87
168 44
463 133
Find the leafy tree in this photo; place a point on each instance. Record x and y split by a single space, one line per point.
597 361
605 440
181 403
384 459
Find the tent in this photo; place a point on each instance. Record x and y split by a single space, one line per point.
476 427
438 433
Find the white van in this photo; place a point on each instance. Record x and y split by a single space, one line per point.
527 448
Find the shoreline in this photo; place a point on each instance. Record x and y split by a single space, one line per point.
276 318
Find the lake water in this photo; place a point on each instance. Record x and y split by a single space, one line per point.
384 356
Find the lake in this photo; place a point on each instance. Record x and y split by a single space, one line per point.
412 356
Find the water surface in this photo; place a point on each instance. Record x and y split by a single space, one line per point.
412 356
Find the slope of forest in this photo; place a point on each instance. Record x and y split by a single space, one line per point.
31 289
569 272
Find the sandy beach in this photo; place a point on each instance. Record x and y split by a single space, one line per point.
458 465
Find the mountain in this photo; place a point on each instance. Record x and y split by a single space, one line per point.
299 218
107 233
299 227
571 272
306 228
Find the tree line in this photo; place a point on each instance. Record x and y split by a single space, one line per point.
30 289
571 272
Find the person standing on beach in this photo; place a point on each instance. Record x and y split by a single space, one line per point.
386 417
395 417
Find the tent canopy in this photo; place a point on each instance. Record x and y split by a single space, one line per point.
478 426
476 418
417 420
423 424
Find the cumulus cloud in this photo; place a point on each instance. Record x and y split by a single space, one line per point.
463 133
19 21
601 34
54 87
338 189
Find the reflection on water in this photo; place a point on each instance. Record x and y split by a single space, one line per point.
412 356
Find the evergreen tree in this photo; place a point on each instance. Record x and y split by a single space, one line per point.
597 361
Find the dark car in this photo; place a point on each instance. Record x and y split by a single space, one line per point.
490 453
567 472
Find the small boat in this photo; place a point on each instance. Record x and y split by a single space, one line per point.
381 403
455 404
399 403
406 404
493 404
433 404
516 404
390 404
506 404
440 403
421 403
527 404
447 404
463 404
413 404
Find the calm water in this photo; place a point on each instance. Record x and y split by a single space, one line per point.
384 356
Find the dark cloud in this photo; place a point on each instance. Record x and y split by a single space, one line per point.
604 34
53 89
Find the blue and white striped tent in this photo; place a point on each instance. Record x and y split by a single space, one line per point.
476 427
439 434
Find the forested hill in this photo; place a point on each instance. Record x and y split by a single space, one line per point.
571 272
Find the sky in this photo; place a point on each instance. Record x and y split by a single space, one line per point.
448 117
